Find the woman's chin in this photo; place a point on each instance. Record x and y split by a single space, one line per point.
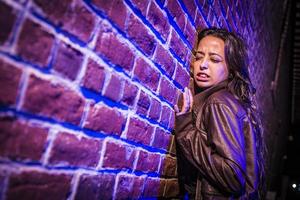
203 84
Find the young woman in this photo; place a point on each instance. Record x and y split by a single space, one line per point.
220 146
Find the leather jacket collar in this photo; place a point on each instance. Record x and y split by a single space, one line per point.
200 98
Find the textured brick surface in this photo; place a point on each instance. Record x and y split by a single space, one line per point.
143 103
68 150
95 187
154 188
147 162
108 7
168 91
53 100
118 156
155 109
114 50
172 189
70 15
161 139
159 20
139 131
140 35
168 166
165 60
129 94
68 61
7 20
38 185
13 136
9 81
36 46
94 76
146 74
114 88
129 187
100 118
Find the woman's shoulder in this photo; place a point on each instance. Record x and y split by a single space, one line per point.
226 99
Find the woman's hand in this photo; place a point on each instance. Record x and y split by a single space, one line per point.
187 102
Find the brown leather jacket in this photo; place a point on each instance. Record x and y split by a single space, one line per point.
216 148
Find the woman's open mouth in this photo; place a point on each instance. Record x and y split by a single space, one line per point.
202 76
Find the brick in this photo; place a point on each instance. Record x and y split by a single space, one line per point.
178 46
36 46
129 93
172 119
177 13
168 166
148 162
191 7
172 189
38 185
95 187
69 150
154 187
68 61
117 52
172 147
165 60
118 156
143 103
114 88
129 187
142 5
53 100
205 7
146 74
140 36
200 21
182 76
20 140
8 18
10 77
165 116
190 33
162 139
168 91
94 76
100 117
139 131
159 20
108 7
155 109
70 15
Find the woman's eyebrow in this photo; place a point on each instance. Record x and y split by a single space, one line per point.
214 54
211 53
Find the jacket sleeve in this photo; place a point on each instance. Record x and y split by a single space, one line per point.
217 152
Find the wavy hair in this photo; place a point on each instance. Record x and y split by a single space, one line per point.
240 85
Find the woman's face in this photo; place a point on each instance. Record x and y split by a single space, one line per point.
209 66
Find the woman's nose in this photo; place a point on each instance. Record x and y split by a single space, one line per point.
204 64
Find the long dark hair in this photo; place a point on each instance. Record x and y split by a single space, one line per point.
240 85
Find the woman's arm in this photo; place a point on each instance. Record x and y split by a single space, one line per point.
219 153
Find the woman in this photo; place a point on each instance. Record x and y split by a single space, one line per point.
219 140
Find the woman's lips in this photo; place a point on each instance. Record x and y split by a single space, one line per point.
202 76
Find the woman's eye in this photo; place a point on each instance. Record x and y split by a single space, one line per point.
198 57
214 60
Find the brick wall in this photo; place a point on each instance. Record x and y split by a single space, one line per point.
88 89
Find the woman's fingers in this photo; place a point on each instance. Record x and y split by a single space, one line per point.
191 99
176 109
187 102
